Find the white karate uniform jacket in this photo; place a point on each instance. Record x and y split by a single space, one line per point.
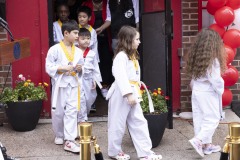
207 103
57 32
91 73
64 92
121 113
94 43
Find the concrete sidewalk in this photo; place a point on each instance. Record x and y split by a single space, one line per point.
38 144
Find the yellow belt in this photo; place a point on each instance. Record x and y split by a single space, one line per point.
136 84
74 74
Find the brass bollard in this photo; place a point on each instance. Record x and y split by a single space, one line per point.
234 143
86 139
85 131
231 148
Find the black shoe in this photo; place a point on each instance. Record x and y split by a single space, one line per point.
93 108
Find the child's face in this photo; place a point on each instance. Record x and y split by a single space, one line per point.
136 41
63 13
72 36
84 41
83 19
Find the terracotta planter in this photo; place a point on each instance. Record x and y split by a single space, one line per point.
156 125
23 116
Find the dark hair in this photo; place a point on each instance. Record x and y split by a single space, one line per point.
59 5
85 9
125 41
69 26
84 32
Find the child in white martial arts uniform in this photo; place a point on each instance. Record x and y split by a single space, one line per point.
63 64
62 13
205 63
84 16
91 74
124 100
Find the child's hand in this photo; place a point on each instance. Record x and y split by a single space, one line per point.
66 68
131 100
78 68
94 85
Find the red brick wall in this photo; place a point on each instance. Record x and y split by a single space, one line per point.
190 29
4 69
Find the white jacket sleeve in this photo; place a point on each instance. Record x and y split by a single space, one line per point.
51 65
120 73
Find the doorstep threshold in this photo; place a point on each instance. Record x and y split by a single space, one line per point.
91 119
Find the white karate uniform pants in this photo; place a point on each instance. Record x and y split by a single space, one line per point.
64 117
83 113
120 114
206 114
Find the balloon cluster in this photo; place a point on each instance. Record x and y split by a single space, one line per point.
227 24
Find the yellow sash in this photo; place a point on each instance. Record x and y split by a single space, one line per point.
89 28
70 58
59 22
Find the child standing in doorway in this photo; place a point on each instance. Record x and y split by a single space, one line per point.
205 63
62 14
124 105
91 75
84 16
63 65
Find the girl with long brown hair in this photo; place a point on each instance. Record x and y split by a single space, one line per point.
124 100
205 62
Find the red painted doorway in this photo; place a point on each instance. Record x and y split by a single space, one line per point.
28 18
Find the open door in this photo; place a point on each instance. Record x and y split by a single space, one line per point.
156 34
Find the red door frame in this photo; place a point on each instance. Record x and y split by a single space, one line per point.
176 43
30 20
158 5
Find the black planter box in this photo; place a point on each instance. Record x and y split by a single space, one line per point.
23 116
156 125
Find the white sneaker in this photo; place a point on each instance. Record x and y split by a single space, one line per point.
72 146
58 141
121 156
197 145
104 92
152 157
211 149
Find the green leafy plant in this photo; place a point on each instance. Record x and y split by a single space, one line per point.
158 98
25 90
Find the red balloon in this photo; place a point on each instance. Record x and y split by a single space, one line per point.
230 53
230 76
232 38
224 16
211 10
218 29
226 97
217 3
234 4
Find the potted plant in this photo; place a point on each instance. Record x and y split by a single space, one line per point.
155 111
23 103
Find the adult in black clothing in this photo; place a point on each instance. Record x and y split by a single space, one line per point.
120 13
